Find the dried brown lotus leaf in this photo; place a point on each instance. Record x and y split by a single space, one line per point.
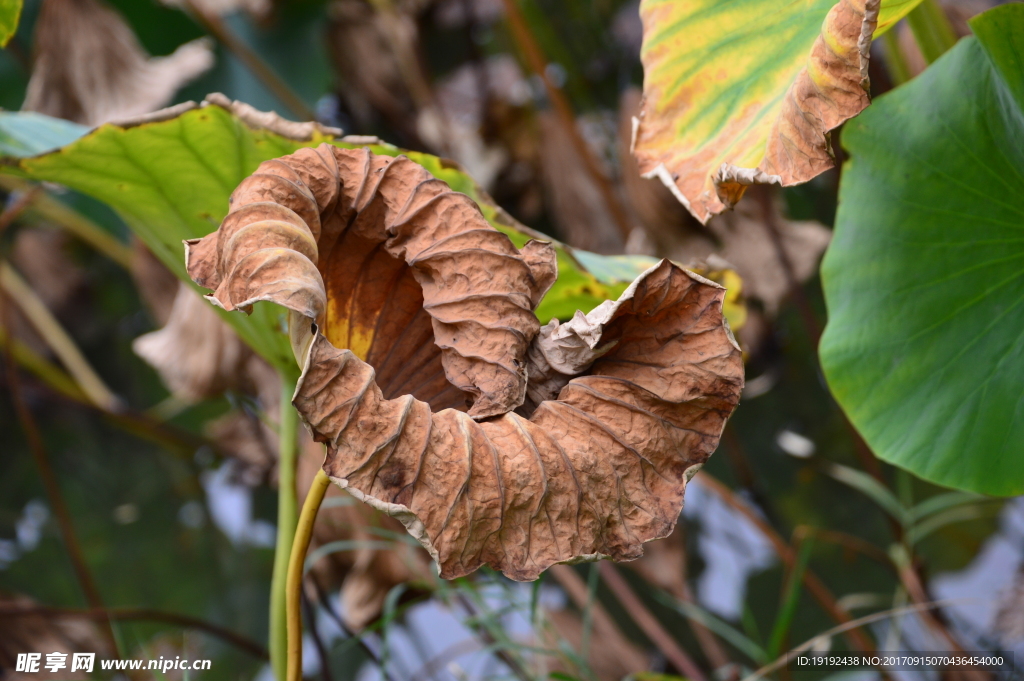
196 353
594 473
438 301
410 277
89 67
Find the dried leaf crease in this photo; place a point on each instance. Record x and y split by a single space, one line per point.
434 308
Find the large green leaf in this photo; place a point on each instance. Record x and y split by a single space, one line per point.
170 180
10 14
747 90
924 278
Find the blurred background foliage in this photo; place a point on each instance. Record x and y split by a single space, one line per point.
174 515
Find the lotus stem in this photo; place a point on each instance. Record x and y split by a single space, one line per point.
71 220
300 545
32 306
286 520
896 63
932 30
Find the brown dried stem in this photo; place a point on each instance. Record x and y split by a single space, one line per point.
649 624
146 614
847 541
537 62
814 585
213 25
604 626
53 493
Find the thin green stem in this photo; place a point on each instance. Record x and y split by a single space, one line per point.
43 205
790 600
932 30
293 582
287 508
895 62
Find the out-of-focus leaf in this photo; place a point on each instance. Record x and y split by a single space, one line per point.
170 179
10 14
923 278
725 631
737 93
941 502
89 66
197 355
872 488
577 205
936 522
385 261
29 134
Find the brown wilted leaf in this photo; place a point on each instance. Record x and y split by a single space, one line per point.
405 273
364 57
89 66
747 242
409 264
157 285
196 353
41 255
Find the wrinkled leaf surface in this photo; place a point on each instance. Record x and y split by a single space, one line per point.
394 268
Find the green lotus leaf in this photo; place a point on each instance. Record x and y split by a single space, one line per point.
924 278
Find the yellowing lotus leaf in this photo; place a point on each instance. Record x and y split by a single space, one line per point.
747 92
